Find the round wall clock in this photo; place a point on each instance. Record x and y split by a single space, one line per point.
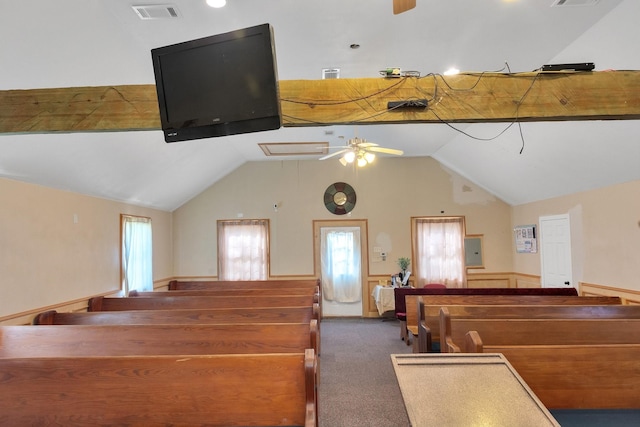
340 198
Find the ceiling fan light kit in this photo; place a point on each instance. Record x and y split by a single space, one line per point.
361 152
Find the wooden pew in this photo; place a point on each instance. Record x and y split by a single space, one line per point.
218 390
524 331
175 285
429 315
253 293
412 306
229 292
185 316
400 294
123 340
195 302
579 376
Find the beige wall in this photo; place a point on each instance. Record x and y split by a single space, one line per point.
388 193
46 258
605 234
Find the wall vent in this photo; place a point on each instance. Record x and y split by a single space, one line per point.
563 3
330 73
156 11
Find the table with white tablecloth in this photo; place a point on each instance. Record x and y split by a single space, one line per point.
384 298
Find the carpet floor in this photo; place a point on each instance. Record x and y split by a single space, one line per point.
358 386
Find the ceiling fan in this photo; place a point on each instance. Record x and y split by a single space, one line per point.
400 6
360 151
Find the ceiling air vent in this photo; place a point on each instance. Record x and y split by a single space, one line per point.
561 3
156 11
330 73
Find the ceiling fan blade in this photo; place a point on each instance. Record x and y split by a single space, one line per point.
385 150
400 6
337 153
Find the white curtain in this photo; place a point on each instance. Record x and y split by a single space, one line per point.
340 258
243 249
137 256
440 251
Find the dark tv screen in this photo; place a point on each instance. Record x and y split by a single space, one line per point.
220 85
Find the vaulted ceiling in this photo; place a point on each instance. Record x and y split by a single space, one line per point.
72 43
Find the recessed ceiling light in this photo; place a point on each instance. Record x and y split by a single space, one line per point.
216 3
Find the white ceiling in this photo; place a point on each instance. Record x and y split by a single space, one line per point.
66 43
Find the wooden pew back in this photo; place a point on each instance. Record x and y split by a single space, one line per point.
597 376
413 314
229 292
182 316
175 285
195 302
123 340
430 315
523 331
219 390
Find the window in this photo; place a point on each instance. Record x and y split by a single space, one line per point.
243 249
137 260
438 248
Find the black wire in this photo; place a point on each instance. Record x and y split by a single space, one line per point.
430 99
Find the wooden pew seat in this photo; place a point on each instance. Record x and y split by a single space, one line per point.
580 376
182 316
197 302
430 315
523 331
218 390
401 308
413 312
123 340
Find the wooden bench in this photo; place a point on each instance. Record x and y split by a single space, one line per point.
524 331
253 293
400 294
197 302
122 340
218 390
580 376
175 285
182 316
413 314
230 292
430 315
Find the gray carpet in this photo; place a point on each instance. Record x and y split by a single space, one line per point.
358 386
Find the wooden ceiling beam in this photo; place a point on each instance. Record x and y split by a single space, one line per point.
464 98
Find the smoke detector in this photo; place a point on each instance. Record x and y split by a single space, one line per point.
156 11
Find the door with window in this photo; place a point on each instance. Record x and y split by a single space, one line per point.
340 261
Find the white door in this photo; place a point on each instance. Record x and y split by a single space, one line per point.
555 251
341 272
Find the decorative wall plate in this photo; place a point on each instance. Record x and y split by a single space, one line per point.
340 198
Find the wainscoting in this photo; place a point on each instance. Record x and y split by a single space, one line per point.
627 296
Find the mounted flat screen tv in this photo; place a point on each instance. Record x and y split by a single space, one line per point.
220 85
